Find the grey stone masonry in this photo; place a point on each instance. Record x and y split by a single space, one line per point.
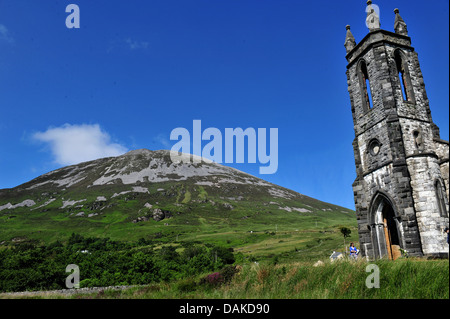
402 186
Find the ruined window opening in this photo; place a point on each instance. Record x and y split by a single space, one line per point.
365 86
404 78
440 199
403 84
368 94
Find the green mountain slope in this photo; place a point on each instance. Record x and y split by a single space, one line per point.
142 194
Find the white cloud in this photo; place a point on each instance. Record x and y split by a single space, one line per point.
73 144
5 35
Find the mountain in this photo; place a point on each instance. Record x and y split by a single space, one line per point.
143 194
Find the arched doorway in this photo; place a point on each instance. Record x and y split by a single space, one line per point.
385 229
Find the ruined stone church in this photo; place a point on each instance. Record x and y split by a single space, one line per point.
402 186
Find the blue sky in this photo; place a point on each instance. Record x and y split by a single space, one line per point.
136 70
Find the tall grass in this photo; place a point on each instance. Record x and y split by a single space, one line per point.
344 279
401 279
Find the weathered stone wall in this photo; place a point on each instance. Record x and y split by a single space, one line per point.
370 162
425 130
445 173
425 170
442 151
361 208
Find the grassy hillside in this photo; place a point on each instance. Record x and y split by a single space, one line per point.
240 216
256 232
191 207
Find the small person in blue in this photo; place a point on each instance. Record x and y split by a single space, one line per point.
446 230
353 251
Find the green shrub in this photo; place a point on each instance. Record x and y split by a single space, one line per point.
103 262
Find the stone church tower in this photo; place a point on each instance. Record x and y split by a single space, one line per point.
402 186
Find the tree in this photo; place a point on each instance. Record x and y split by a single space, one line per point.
345 232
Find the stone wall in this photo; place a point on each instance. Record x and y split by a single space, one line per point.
442 151
425 170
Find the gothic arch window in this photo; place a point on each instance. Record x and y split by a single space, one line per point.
404 76
440 197
364 81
